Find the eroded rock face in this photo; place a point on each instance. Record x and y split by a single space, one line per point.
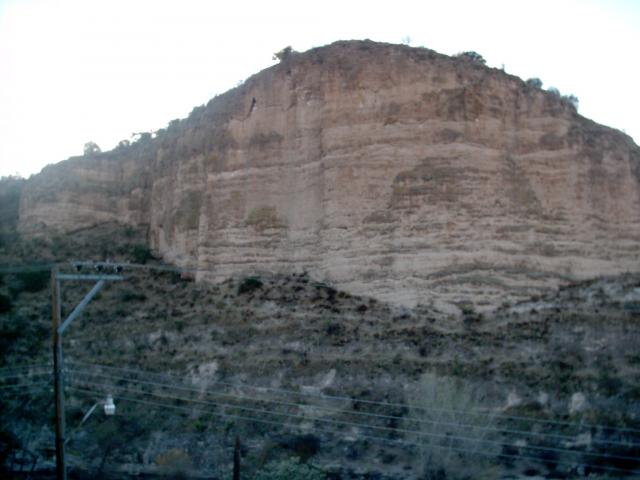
85 191
387 170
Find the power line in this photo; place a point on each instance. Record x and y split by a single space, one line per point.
374 427
386 404
365 436
26 268
23 367
430 409
24 385
22 375
354 413
140 266
354 400
103 264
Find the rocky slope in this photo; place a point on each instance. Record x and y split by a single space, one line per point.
383 169
548 387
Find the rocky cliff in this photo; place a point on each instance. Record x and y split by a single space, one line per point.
387 170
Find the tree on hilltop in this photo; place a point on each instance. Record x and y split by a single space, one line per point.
283 54
91 148
572 99
534 82
473 56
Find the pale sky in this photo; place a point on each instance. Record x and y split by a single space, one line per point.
72 71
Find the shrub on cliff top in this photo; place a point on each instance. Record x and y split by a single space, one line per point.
572 99
534 82
283 54
91 148
123 144
473 56
553 91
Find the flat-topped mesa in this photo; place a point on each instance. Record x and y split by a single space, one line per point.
388 170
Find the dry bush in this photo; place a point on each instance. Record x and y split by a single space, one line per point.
174 463
453 441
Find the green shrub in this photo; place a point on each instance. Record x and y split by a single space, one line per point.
132 296
534 82
290 469
5 303
174 463
249 284
10 192
572 99
283 54
91 148
554 91
331 328
569 99
473 56
9 443
468 310
33 281
141 254
447 436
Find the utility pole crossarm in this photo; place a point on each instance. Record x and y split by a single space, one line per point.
76 311
84 419
72 276
85 301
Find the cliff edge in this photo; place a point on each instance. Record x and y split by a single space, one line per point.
390 171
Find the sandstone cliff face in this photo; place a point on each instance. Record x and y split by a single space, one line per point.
86 191
390 171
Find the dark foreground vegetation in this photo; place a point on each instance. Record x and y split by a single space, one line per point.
316 383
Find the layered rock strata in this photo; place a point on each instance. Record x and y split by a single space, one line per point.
390 171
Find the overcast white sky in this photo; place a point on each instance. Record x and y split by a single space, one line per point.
78 70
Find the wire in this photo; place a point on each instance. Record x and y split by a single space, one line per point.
355 413
23 385
390 404
22 375
26 268
124 265
141 266
26 366
386 404
361 436
186 269
360 425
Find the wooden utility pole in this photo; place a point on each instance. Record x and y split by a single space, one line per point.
236 459
61 471
58 327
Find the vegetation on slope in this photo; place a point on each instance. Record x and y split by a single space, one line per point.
295 334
